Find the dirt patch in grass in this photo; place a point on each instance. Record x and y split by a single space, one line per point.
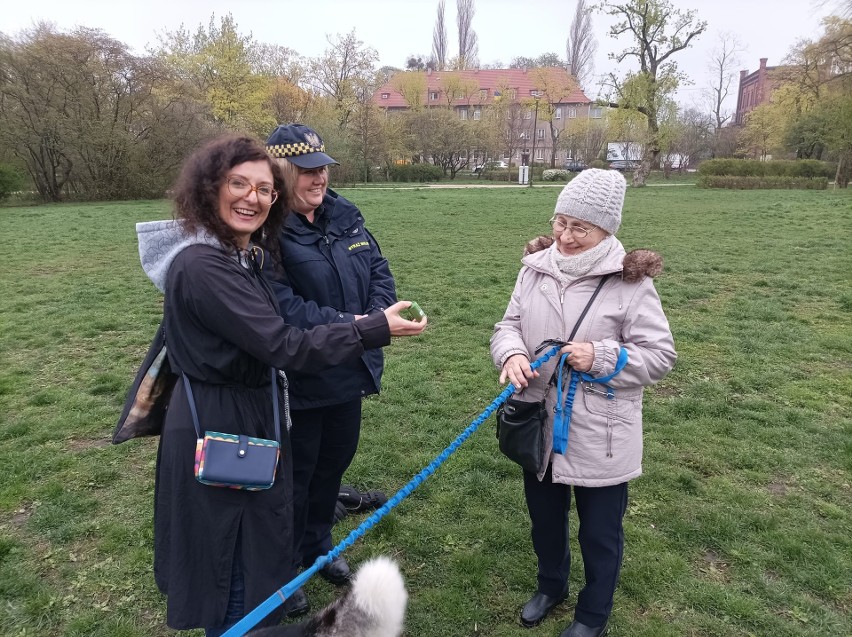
77 445
777 488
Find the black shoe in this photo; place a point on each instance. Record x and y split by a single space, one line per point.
359 501
576 629
336 571
297 604
535 610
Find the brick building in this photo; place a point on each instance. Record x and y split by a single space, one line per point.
469 93
755 89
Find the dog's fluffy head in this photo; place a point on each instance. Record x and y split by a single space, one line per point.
374 606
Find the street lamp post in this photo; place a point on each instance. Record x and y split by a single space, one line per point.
535 134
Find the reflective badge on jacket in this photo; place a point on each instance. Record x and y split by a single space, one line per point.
359 246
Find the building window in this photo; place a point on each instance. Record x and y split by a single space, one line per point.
483 94
512 93
539 153
558 112
433 95
477 114
524 135
385 96
527 114
572 112
595 112
541 133
463 113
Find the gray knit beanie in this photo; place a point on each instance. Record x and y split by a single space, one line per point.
596 196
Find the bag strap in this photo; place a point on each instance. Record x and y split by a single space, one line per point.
276 416
585 311
588 305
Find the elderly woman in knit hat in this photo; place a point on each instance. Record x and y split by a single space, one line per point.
596 447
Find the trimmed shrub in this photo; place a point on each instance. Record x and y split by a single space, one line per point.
416 173
555 174
774 168
10 181
735 182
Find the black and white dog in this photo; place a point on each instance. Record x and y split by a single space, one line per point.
374 606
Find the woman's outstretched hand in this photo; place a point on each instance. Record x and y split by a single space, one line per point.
518 371
400 326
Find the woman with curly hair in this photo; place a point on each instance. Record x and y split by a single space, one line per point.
596 448
218 552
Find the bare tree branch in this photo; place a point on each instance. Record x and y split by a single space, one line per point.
439 39
581 45
468 40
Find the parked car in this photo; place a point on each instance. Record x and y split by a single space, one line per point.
624 165
490 165
574 165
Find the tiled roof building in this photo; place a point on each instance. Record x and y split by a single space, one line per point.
470 92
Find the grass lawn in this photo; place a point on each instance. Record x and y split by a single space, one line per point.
741 524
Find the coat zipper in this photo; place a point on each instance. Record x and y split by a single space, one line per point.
609 437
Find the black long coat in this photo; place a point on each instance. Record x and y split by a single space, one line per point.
223 330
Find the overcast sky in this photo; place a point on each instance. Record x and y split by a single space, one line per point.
398 28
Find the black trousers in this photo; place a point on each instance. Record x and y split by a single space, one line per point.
601 537
324 441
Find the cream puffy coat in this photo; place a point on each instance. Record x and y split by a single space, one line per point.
605 438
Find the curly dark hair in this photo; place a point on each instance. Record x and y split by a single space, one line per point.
196 192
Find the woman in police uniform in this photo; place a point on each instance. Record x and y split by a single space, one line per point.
333 272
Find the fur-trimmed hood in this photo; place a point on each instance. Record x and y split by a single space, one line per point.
636 264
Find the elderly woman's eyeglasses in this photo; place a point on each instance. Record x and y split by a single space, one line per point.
239 187
559 226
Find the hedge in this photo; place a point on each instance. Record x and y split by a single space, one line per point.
10 181
416 173
555 174
772 168
734 182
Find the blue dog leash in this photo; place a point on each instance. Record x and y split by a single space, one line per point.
278 597
562 412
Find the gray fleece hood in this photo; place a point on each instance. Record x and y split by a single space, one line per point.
161 241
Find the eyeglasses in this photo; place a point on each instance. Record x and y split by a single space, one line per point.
239 187
559 226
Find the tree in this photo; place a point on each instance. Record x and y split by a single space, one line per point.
543 60
412 86
343 72
816 95
762 133
658 31
580 47
468 40
439 39
585 138
724 59
553 85
692 135
506 120
219 66
85 117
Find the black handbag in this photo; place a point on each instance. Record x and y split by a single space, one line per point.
520 423
236 461
520 431
148 398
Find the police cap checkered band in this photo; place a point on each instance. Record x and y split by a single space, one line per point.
291 150
298 144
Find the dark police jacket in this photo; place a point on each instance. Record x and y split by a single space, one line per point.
333 269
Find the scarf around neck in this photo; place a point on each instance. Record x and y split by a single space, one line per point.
571 268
